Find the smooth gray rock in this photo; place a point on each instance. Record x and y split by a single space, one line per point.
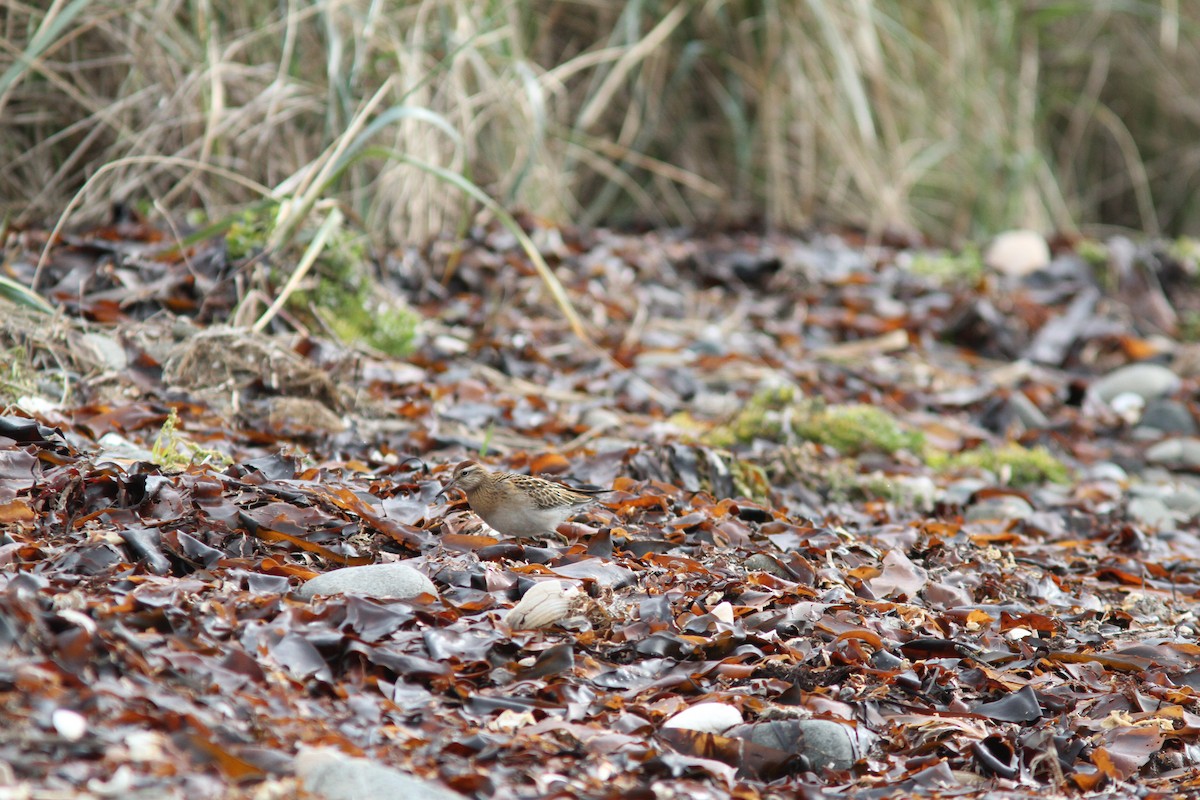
959 493
1167 416
1106 471
761 562
1159 490
393 581
332 775
1152 512
1004 507
1185 500
1148 381
1030 415
825 744
1182 452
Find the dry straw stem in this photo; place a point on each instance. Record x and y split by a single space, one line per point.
948 118
333 221
309 184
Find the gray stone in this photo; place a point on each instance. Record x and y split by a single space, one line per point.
651 359
1152 512
824 743
1184 500
394 581
959 493
1164 415
1106 471
1003 507
332 775
1148 381
1183 452
1030 415
1156 476
715 403
1160 490
1050 495
761 562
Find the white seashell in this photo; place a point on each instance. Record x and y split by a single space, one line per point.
544 604
71 725
706 718
1129 406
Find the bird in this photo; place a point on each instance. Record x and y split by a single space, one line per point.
522 506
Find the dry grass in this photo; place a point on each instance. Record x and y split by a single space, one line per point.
948 118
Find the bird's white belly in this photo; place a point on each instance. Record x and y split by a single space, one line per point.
526 522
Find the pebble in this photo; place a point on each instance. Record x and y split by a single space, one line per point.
1003 507
1030 415
825 744
450 345
329 774
71 725
601 419
1152 512
391 581
1166 416
707 718
1147 380
761 562
1185 500
1183 452
959 493
1106 471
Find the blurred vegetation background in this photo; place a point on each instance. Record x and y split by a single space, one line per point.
948 118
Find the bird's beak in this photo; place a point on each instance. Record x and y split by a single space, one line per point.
445 489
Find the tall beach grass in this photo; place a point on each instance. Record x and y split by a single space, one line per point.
944 118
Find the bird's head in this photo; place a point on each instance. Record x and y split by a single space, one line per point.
467 476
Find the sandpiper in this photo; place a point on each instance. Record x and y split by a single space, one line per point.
518 505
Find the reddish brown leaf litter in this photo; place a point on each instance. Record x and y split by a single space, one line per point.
766 604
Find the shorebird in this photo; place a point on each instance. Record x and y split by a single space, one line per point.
523 506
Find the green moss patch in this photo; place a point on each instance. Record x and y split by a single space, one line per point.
778 414
1012 463
858 428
